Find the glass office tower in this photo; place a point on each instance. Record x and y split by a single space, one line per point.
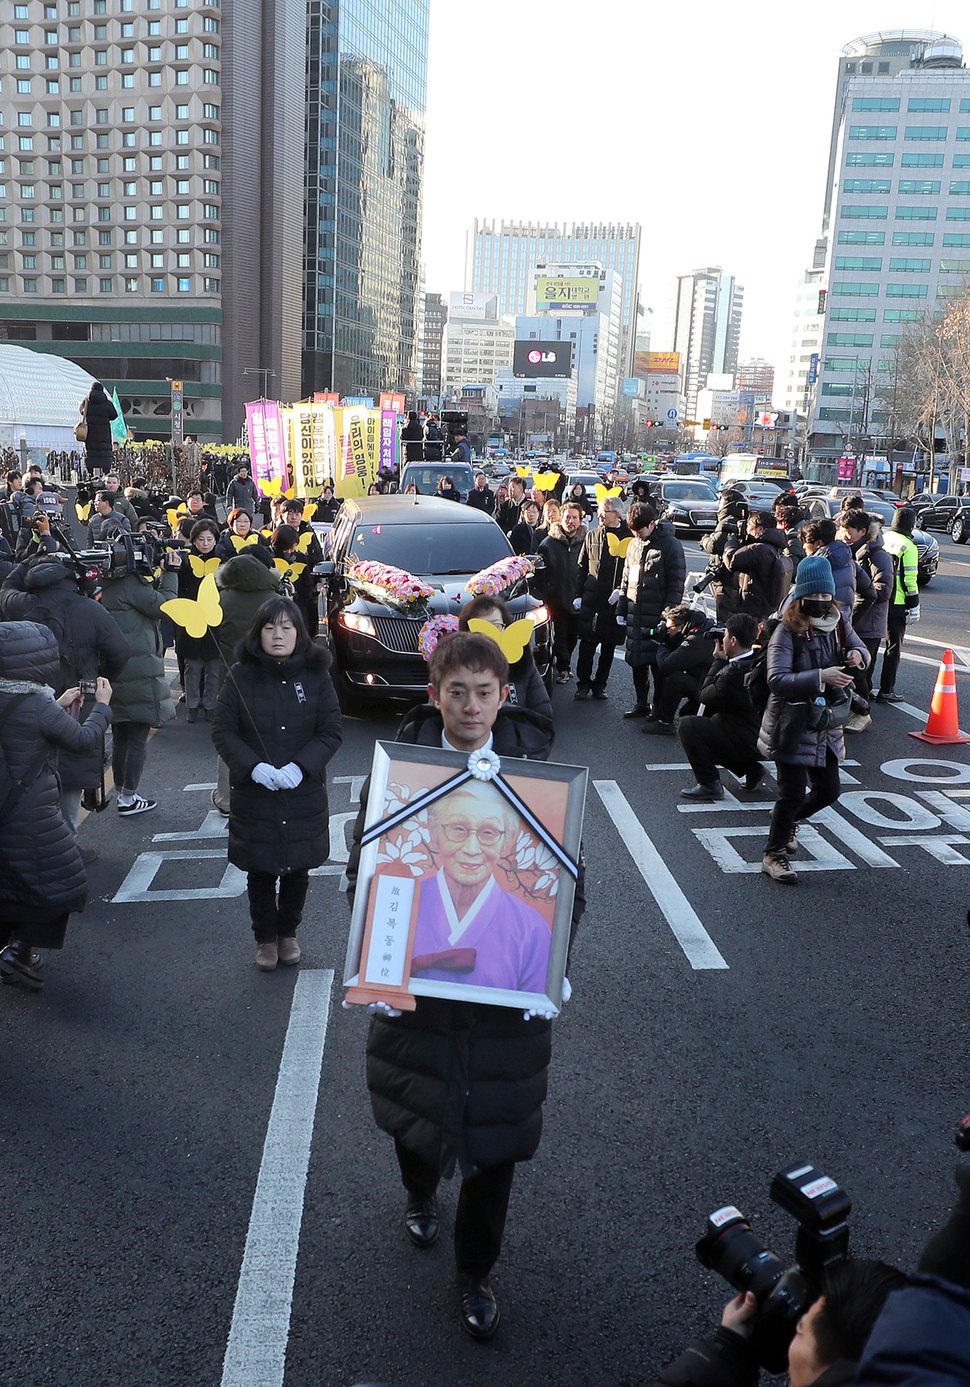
367 66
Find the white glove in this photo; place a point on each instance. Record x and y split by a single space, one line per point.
567 992
621 621
373 1008
289 776
912 615
577 603
266 775
614 597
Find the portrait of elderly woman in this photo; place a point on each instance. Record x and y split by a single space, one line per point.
470 929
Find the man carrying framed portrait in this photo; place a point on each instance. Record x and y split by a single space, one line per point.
461 1083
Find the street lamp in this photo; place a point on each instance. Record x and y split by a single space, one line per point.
264 374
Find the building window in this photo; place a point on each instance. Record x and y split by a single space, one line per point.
916 214
183 235
872 132
157 262
867 185
131 284
908 265
855 289
154 113
940 104
914 238
902 315
922 161
157 214
184 260
157 237
852 315
919 187
959 187
956 238
876 103
105 286
30 286
157 286
58 285
954 267
131 238
907 291
926 132
858 262
183 285
850 339
182 77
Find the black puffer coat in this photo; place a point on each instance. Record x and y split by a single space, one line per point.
278 711
99 412
40 864
462 1074
654 574
690 653
870 619
561 554
598 575
764 572
89 640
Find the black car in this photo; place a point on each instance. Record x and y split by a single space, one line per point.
928 548
375 644
689 503
947 513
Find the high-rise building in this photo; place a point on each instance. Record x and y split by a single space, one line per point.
478 342
430 346
899 244
366 89
757 376
145 232
707 328
806 343
501 259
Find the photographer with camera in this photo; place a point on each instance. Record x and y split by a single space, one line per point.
813 1317
142 698
727 734
732 512
53 591
684 656
35 535
762 567
811 660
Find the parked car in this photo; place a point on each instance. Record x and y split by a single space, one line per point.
374 644
689 503
940 512
426 476
928 548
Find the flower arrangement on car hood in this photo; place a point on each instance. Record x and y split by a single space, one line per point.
498 577
388 584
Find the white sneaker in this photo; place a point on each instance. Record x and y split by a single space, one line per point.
138 805
858 722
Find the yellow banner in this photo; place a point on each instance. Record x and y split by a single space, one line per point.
358 448
560 290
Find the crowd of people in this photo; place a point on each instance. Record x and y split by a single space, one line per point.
802 609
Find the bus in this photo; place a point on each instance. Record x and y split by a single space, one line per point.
738 467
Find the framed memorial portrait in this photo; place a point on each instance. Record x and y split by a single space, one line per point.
466 881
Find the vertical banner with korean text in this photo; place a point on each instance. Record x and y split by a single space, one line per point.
353 465
267 444
389 437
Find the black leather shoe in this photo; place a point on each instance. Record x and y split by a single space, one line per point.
639 710
421 1221
754 777
478 1308
655 728
582 691
705 794
888 698
599 692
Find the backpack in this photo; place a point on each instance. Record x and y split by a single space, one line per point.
756 679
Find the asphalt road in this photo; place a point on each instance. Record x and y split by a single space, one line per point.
139 1085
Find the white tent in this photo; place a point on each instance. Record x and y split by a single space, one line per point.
40 399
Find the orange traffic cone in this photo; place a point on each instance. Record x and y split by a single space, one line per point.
943 723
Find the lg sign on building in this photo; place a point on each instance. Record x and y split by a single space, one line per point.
531 359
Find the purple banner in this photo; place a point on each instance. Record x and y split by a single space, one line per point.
267 443
388 451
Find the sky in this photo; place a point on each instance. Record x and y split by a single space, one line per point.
707 123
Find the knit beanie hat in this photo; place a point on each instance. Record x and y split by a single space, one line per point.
814 574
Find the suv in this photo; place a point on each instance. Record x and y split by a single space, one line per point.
374 644
426 476
689 503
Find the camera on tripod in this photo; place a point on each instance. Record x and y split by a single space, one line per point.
784 1294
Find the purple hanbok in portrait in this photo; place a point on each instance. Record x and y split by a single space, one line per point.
500 941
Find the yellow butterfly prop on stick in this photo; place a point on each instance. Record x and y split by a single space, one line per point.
274 487
241 542
523 472
617 546
200 567
512 642
545 481
196 617
602 492
83 512
288 569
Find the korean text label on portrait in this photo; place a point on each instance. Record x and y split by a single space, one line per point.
387 955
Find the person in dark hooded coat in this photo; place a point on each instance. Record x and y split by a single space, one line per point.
277 725
654 573
98 412
42 877
89 642
761 565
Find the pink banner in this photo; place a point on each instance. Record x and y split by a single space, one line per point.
267 443
388 458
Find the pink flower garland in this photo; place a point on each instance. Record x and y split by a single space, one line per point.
391 582
432 631
500 576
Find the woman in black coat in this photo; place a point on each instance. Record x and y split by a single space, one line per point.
42 877
412 436
277 724
98 412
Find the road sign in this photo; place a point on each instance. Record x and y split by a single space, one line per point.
671 414
177 416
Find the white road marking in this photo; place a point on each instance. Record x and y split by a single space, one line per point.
210 786
136 885
693 938
256 1350
821 855
214 825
